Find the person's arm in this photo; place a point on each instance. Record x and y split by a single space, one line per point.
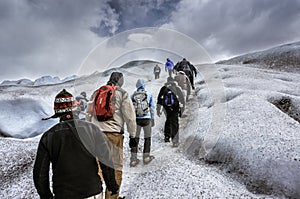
159 102
128 112
160 95
41 171
152 107
180 96
194 70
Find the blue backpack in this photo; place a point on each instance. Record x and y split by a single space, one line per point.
170 99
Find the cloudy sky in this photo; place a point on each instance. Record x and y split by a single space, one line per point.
53 37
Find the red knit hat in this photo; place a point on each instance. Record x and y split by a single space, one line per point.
62 104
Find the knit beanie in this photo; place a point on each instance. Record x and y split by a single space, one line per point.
62 104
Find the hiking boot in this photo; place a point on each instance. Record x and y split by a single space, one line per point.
133 163
167 139
148 159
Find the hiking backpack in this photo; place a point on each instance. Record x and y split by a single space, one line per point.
186 68
170 99
104 102
140 103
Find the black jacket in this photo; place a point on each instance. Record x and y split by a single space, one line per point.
71 146
172 85
180 67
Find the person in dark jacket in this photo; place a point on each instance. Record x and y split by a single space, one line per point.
78 152
188 69
173 111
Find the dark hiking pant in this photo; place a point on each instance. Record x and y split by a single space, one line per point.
156 75
172 126
170 72
144 124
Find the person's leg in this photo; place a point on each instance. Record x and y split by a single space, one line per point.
134 150
147 140
175 128
115 143
167 129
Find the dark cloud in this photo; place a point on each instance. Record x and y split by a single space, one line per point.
41 37
235 27
136 14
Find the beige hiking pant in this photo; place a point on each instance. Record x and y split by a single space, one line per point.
115 144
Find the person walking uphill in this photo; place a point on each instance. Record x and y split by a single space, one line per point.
112 124
77 151
156 71
171 98
188 69
169 66
144 108
184 83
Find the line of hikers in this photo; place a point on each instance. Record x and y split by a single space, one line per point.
182 66
84 153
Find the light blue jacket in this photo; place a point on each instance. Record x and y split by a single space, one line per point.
141 87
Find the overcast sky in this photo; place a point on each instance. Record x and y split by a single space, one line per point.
53 37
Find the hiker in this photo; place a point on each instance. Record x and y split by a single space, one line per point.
184 83
113 126
171 98
144 109
169 67
188 69
83 93
156 71
79 107
77 151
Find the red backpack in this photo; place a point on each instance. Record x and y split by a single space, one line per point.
104 102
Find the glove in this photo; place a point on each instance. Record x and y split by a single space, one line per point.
158 113
115 191
152 123
132 142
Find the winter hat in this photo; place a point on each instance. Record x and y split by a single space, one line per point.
83 94
63 103
140 84
116 78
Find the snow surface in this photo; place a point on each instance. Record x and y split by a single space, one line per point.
234 143
284 58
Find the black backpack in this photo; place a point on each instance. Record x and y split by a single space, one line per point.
170 100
